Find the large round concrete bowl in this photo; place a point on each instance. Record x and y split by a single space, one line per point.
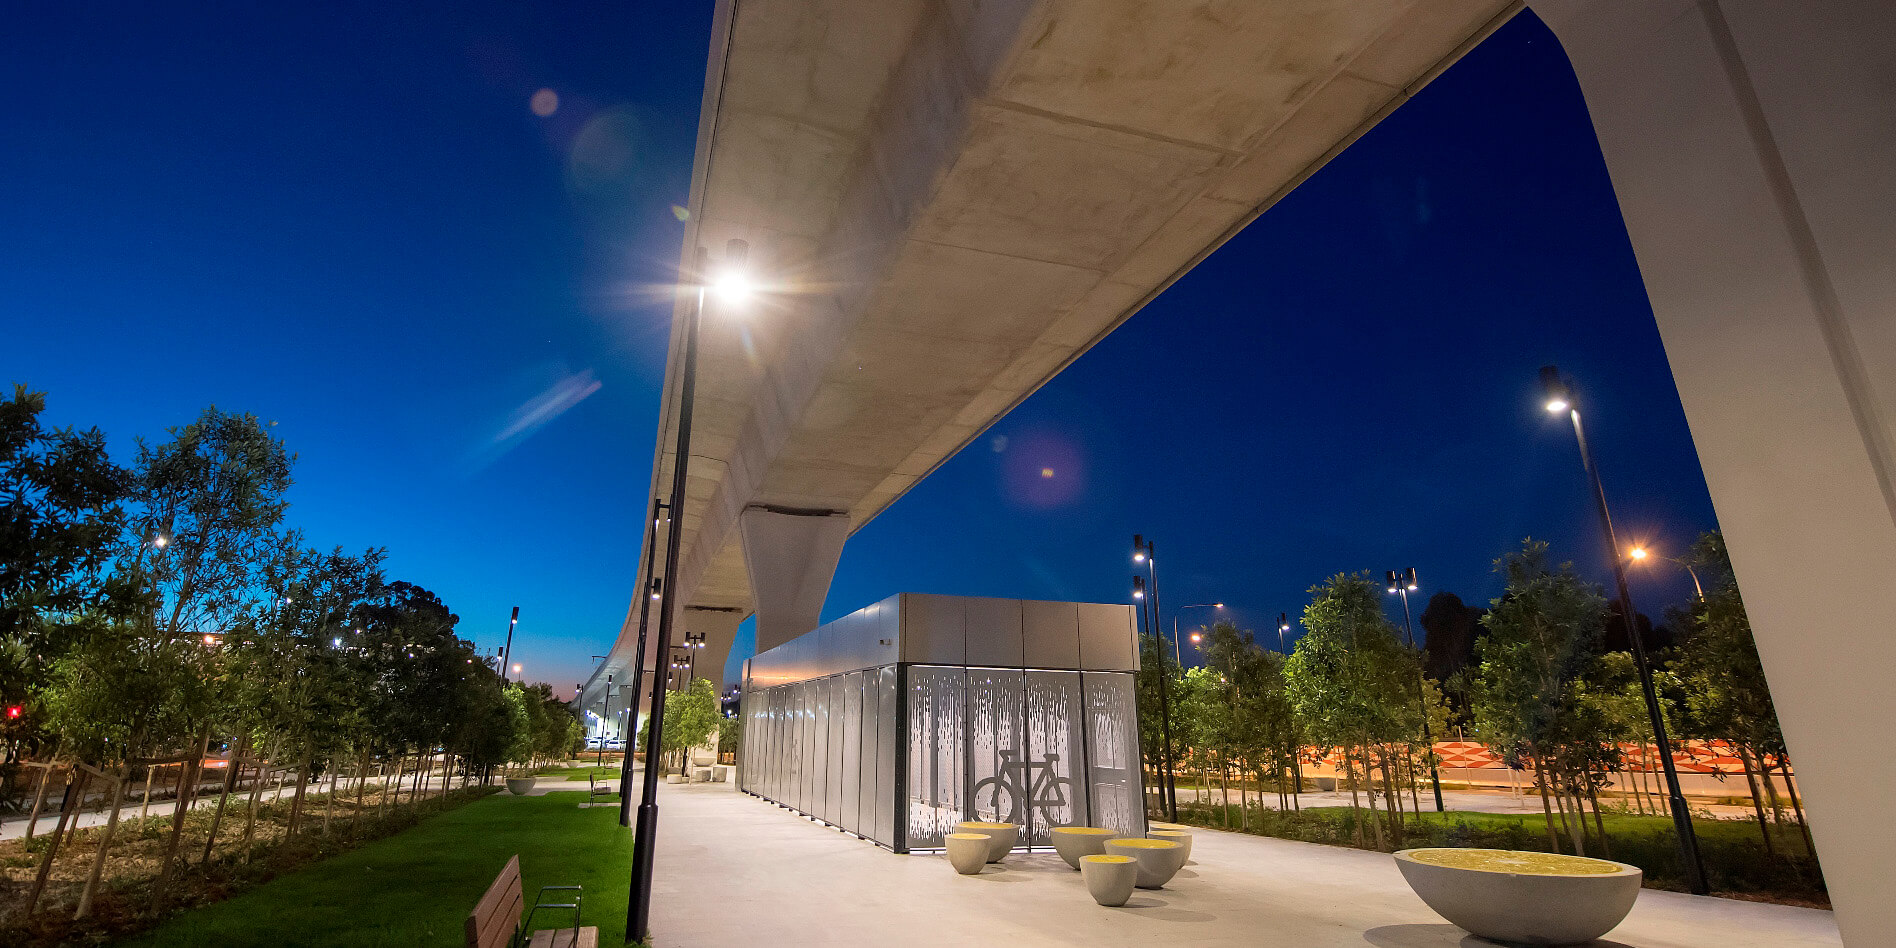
518 786
967 852
1156 825
1001 836
1159 859
1525 898
1109 878
1072 842
1182 837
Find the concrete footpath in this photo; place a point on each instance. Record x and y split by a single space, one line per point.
735 870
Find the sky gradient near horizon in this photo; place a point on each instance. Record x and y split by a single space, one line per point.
355 222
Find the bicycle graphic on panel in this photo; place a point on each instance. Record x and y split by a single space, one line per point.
1046 791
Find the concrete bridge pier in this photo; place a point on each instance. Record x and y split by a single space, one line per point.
791 556
1750 143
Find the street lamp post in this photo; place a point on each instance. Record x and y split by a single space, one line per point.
506 653
1176 659
645 837
1560 398
1283 630
603 721
638 660
1639 553
1167 800
1404 583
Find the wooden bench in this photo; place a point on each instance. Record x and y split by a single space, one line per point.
495 921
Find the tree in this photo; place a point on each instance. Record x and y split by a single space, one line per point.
61 518
691 716
1450 628
214 493
1544 635
1726 695
1352 685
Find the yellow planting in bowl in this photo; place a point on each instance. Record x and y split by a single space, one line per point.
1518 863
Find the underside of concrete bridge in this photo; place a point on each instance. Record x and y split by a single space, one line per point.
945 204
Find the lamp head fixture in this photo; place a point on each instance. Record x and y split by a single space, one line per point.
1558 395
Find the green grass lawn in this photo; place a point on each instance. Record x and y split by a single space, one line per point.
607 772
416 888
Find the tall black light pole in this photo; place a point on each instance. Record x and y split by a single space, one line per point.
1148 590
638 912
506 654
638 662
1283 630
1166 804
603 721
1560 398
1403 584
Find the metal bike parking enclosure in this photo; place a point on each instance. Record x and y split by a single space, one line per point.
899 720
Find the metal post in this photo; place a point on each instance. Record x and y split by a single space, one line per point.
506 654
1681 817
645 837
646 587
600 761
1167 803
1165 687
1421 694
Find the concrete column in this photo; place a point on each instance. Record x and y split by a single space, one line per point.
1751 144
791 556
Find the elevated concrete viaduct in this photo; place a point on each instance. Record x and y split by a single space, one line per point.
951 200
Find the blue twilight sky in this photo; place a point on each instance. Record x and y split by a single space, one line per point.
355 222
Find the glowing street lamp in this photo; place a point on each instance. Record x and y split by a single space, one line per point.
1640 553
1559 398
730 287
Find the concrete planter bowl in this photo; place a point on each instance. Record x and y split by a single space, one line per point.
1001 836
1523 898
1109 878
1181 837
518 786
967 852
1072 842
1158 860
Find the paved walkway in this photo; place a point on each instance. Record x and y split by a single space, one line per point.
735 870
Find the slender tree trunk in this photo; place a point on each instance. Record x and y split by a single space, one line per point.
329 806
1784 767
1547 807
1770 788
362 778
382 810
189 776
1757 799
256 800
1415 805
39 799
231 777
1393 796
144 802
1296 779
1606 850
296 799
1356 805
105 843
1369 792
67 808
